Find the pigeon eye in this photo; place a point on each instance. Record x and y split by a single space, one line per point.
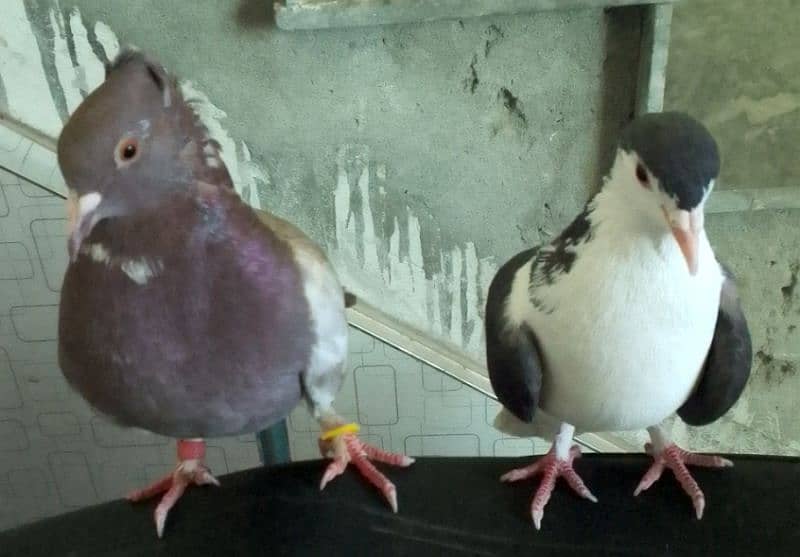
127 150
641 175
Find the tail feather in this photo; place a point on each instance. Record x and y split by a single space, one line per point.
543 425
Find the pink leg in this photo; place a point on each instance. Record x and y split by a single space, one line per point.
189 470
550 467
673 457
347 448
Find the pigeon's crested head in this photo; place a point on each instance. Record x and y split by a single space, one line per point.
667 163
131 143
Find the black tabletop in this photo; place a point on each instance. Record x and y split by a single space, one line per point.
448 506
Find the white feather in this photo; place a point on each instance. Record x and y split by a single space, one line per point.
139 270
99 253
325 299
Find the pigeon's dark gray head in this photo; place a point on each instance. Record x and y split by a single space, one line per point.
676 150
665 169
132 142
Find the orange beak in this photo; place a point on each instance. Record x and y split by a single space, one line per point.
686 227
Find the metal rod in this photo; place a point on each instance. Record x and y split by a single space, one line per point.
273 444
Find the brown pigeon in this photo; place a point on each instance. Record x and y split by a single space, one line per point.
184 311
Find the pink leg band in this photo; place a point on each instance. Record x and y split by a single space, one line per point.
191 449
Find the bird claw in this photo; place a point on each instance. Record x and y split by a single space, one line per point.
550 467
173 486
676 459
348 448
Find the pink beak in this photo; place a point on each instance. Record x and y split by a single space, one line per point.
687 240
686 227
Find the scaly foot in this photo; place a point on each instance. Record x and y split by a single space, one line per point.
676 459
190 470
551 467
344 446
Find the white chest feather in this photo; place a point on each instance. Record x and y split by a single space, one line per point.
140 270
628 332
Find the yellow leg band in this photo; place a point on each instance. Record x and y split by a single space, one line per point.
341 430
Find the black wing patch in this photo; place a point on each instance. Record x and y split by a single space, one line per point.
512 355
558 257
728 364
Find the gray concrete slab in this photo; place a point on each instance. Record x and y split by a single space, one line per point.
320 14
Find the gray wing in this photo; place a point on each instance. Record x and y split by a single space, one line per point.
727 367
512 355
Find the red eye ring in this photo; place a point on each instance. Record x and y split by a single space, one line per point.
641 174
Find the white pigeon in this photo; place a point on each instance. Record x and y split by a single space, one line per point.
625 318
